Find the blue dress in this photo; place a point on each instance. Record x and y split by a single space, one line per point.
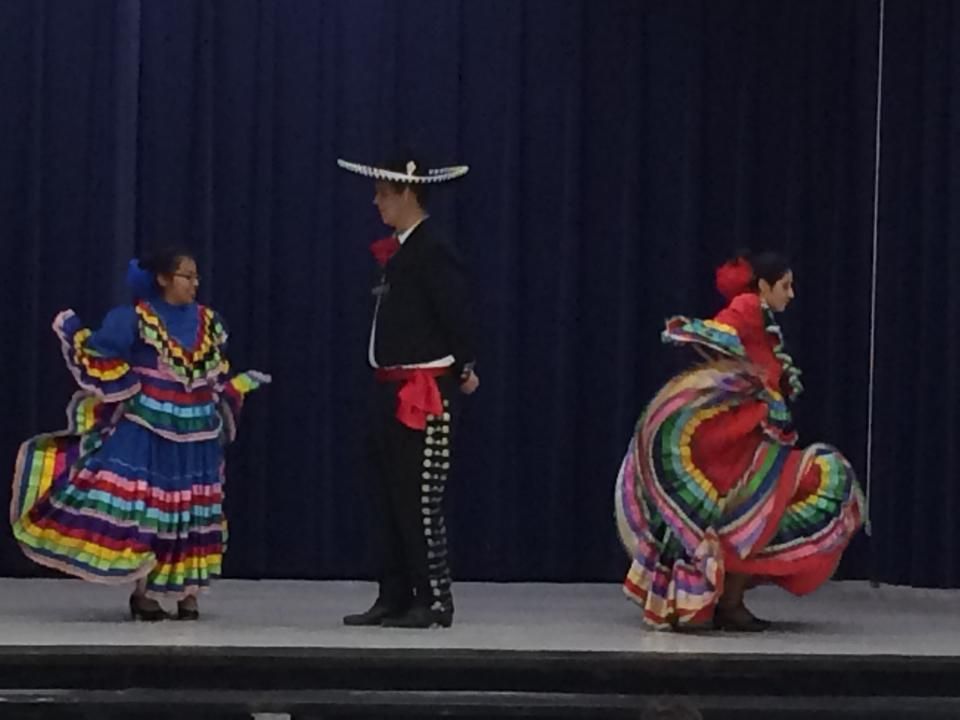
133 489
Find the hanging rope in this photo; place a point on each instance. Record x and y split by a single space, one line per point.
868 527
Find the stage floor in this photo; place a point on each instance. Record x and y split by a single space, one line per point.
848 618
67 652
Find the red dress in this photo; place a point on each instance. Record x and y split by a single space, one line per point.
712 482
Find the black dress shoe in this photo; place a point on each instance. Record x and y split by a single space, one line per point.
372 617
421 617
738 619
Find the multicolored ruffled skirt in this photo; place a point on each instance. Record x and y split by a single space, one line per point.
123 506
712 484
133 488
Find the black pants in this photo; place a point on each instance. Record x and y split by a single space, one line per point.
410 470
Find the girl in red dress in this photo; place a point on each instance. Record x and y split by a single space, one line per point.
713 495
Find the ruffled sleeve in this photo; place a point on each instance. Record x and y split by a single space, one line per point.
232 388
708 334
230 396
99 360
116 335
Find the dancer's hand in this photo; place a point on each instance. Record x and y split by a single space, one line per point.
469 383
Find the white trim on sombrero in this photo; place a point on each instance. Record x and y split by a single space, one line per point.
434 175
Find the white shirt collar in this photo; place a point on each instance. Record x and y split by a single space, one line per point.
402 237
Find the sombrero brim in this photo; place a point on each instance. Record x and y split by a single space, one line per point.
436 175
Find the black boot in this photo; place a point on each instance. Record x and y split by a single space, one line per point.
374 616
420 616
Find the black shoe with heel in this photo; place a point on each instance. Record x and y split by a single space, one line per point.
146 614
738 619
187 611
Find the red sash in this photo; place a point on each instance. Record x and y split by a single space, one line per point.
418 395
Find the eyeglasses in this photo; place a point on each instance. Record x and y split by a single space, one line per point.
188 277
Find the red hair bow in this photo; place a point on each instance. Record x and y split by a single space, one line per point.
734 278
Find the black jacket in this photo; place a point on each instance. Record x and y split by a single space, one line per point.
424 312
